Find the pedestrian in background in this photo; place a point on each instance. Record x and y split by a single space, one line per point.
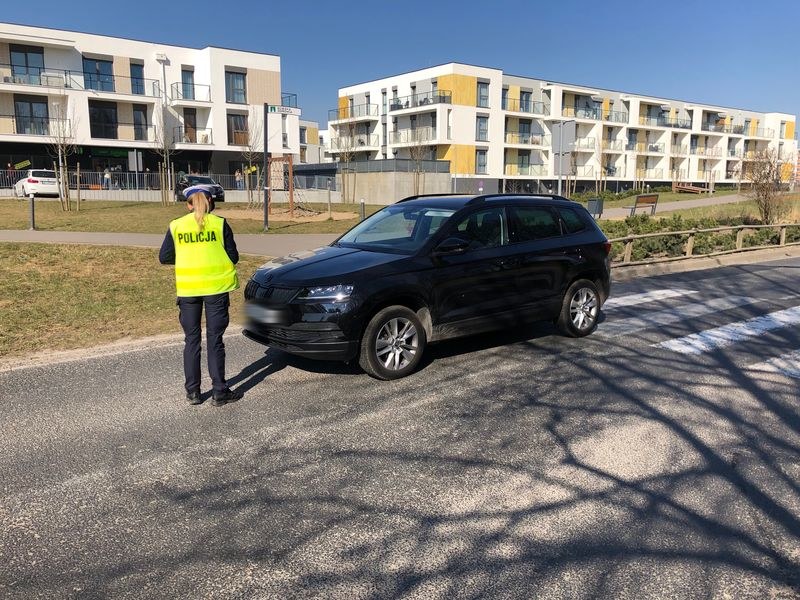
203 250
239 181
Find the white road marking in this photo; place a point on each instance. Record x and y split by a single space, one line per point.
787 364
634 299
719 337
671 315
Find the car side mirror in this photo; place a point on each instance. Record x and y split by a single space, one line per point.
451 245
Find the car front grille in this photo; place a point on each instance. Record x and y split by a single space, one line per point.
273 294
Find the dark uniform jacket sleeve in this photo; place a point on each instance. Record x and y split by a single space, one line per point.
230 243
167 253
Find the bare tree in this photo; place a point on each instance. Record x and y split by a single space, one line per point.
61 142
346 143
764 171
252 140
419 152
164 138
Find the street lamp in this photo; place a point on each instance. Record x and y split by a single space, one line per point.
561 148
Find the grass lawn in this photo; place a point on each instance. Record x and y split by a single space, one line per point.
152 217
664 197
746 209
63 296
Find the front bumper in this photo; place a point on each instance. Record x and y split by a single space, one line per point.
323 341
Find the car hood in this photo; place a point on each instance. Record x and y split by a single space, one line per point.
323 266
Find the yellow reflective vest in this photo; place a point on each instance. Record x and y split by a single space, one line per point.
202 267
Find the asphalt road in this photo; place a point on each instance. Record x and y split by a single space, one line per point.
658 458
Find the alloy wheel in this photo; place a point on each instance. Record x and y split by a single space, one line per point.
397 343
583 309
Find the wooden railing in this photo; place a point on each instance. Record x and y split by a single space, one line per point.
688 247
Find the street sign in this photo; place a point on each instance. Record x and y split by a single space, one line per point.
284 110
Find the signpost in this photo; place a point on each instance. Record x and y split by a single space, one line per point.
271 109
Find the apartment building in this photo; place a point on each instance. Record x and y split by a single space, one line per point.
311 150
112 95
497 131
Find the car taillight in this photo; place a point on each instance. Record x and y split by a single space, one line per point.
607 247
32 180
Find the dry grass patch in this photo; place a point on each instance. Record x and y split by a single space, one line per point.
59 297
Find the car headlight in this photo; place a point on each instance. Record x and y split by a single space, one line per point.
330 293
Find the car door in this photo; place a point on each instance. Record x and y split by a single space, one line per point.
470 290
542 258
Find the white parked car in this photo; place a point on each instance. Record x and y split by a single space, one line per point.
38 182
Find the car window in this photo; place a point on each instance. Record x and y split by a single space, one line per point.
43 174
571 219
397 228
530 223
483 228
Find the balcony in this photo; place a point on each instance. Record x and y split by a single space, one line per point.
675 123
289 99
355 143
526 170
77 80
527 139
678 174
679 150
420 135
581 113
585 144
584 170
128 132
614 171
615 116
760 132
613 145
732 153
722 128
185 93
650 121
709 152
38 126
649 173
358 112
425 100
649 148
525 106
192 135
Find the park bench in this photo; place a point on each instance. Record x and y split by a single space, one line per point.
645 200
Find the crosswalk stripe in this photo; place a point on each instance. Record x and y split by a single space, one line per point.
787 364
671 315
719 337
634 299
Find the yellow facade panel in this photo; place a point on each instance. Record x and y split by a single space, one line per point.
463 87
753 127
461 157
606 107
312 135
511 167
344 107
789 130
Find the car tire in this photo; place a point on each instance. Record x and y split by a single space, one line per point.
580 309
392 344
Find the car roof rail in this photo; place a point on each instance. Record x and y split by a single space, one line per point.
442 195
490 197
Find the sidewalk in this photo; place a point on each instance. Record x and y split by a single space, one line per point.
281 244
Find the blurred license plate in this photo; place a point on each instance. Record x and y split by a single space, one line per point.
268 316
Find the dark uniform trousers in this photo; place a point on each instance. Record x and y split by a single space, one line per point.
217 319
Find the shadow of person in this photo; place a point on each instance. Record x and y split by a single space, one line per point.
253 374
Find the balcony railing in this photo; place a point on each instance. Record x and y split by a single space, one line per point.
423 99
529 170
588 144
679 150
705 151
650 148
581 113
760 132
675 122
16 125
129 132
359 111
78 80
289 99
525 106
722 128
191 91
584 170
734 153
528 139
191 135
354 143
412 136
616 116
614 171
613 145
649 173
678 174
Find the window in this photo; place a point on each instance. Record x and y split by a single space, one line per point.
532 223
482 129
523 161
434 88
504 99
235 88
103 119
30 115
572 221
480 162
189 125
383 101
525 101
237 129
783 130
98 74
284 134
140 122
27 63
137 79
483 94
303 135
302 155
399 228
483 228
187 84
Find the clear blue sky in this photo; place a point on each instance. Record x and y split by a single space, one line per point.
736 53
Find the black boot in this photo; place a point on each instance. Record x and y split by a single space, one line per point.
226 396
194 398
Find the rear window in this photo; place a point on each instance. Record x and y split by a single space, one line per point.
196 179
51 174
533 223
572 220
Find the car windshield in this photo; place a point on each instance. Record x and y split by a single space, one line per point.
399 228
43 174
200 179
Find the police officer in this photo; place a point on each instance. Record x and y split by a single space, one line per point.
202 248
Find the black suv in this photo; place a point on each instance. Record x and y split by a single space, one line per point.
430 268
207 182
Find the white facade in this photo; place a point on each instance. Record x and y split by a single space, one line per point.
109 93
498 128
